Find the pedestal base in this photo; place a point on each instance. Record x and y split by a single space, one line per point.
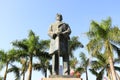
61 77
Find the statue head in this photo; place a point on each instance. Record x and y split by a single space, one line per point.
59 17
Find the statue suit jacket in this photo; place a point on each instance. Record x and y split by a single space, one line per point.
61 41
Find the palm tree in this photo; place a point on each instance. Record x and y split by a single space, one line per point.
16 70
74 44
30 48
73 62
101 64
1 78
24 62
99 75
6 58
44 58
42 65
84 64
102 36
4 62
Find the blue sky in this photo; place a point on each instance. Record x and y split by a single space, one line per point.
17 17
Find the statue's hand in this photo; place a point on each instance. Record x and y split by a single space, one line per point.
59 32
54 36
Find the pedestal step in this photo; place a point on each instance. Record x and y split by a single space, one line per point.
61 79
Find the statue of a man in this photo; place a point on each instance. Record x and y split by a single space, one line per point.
59 33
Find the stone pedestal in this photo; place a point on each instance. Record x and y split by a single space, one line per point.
61 77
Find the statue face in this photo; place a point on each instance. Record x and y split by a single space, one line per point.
59 17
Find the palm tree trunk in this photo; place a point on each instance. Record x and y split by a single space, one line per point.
109 74
118 77
30 68
45 73
5 75
86 74
112 68
24 75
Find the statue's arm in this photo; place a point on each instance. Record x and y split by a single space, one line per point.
51 33
67 31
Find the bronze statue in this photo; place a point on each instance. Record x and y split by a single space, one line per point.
59 33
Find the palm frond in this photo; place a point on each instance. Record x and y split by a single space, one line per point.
96 65
106 24
84 60
94 47
1 65
73 62
37 66
44 44
74 44
97 30
20 44
102 58
116 60
80 69
100 74
114 34
83 57
93 72
16 71
117 68
117 49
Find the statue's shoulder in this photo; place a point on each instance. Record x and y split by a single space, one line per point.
55 23
66 24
